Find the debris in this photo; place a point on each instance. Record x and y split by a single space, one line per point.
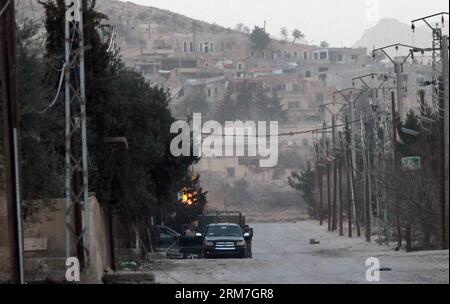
314 242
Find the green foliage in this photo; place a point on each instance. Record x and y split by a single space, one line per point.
297 34
251 104
196 103
135 183
424 144
225 110
259 38
305 182
324 44
269 107
41 163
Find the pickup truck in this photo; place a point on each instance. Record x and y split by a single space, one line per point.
226 240
193 246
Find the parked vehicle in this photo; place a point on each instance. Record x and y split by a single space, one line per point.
190 243
225 240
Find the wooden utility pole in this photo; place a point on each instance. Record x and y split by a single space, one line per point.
349 181
395 166
329 195
11 223
441 160
445 76
341 201
319 185
335 173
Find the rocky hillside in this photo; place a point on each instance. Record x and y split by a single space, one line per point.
390 31
127 16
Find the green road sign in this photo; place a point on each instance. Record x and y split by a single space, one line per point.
412 163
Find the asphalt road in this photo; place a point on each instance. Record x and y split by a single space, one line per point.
282 254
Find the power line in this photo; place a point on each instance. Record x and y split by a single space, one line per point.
283 134
61 78
4 8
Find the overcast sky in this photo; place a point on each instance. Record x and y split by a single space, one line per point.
340 22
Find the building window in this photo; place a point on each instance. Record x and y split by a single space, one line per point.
322 70
305 55
293 105
231 172
216 91
185 47
209 92
212 48
191 47
316 56
323 55
307 74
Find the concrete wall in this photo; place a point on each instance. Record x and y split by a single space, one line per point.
45 243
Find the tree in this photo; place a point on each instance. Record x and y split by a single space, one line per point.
188 211
305 182
269 106
41 162
297 34
239 27
196 103
225 110
284 33
246 30
145 179
324 44
260 39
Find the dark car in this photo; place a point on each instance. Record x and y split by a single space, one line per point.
224 240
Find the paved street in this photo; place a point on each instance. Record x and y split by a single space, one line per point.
282 254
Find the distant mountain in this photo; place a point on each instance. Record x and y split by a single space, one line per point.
391 31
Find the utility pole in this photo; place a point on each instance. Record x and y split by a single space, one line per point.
319 177
445 71
395 167
11 222
341 210
351 100
398 66
441 161
329 195
350 192
367 192
76 182
440 67
332 216
335 173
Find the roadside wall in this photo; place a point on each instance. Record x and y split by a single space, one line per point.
45 252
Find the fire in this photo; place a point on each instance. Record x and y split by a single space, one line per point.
187 198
